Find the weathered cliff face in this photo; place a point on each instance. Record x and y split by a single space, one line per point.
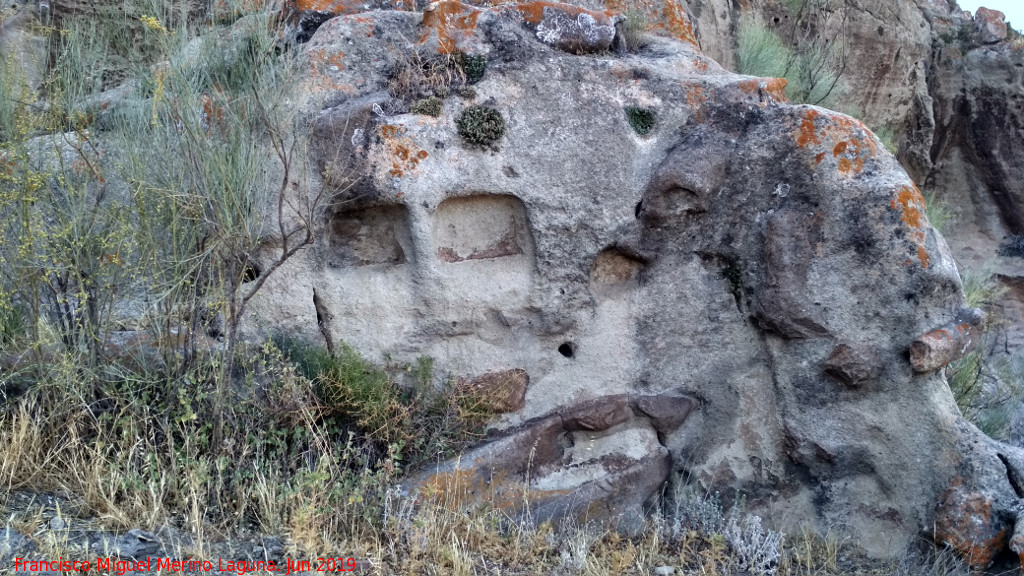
888 45
749 293
948 82
977 152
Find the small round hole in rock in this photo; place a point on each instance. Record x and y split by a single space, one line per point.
567 349
252 272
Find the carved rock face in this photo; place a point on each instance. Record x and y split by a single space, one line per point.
669 302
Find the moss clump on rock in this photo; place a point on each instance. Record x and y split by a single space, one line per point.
428 106
481 125
474 66
641 119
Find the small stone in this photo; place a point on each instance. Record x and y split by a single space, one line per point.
501 392
665 570
57 523
853 365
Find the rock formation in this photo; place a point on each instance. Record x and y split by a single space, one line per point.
661 267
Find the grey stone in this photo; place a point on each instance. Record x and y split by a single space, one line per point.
671 308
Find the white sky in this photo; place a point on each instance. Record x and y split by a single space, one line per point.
1014 9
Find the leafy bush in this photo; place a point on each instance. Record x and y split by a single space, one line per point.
642 120
481 125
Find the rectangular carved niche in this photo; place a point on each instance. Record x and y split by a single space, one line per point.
481 228
374 235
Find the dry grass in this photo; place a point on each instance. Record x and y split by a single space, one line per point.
120 476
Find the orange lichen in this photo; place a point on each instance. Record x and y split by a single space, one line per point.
337 7
700 64
533 12
774 88
677 23
850 142
965 521
910 203
808 135
449 19
324 64
696 97
405 155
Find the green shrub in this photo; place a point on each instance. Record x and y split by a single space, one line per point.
889 138
414 421
428 106
812 68
481 125
938 213
759 51
474 66
642 120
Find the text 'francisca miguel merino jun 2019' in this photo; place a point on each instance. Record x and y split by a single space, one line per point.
240 567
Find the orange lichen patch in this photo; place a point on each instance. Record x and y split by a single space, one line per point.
677 23
450 20
405 156
368 22
700 64
965 522
696 97
533 12
774 88
337 7
323 65
910 203
922 256
808 134
850 142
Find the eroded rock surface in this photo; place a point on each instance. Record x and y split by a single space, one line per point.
680 300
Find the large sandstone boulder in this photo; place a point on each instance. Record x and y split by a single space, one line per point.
659 266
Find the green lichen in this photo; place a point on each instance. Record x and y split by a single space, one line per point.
466 93
429 106
474 66
481 125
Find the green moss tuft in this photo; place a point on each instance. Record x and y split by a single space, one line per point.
474 66
428 106
641 119
481 125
